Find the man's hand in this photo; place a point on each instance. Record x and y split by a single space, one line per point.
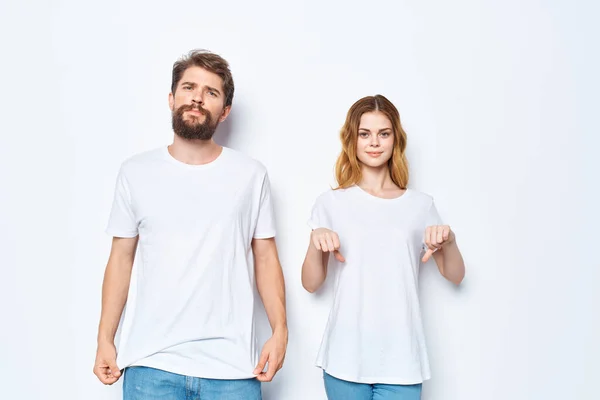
105 367
273 353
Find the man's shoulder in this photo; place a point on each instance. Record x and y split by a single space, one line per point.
139 164
145 157
243 160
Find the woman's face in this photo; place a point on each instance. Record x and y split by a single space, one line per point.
375 139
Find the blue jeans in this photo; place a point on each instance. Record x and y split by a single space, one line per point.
338 389
144 383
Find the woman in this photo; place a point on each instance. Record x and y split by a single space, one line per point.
378 231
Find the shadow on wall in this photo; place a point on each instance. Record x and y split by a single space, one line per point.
224 131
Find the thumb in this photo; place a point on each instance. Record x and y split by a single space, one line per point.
261 363
114 370
338 256
427 255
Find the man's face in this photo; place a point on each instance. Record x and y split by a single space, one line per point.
197 105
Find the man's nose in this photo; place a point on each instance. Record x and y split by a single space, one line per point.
198 97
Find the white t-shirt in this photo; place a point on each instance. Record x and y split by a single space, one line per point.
374 333
191 302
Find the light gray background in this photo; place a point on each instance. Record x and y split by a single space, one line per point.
497 99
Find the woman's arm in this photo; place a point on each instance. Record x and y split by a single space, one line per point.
314 268
441 242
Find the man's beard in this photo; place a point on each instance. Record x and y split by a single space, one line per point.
192 129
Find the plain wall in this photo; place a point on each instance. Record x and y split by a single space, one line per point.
498 101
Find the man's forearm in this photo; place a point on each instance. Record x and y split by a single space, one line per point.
114 295
271 287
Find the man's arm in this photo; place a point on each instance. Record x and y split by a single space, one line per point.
271 287
114 295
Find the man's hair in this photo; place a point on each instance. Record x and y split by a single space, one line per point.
210 62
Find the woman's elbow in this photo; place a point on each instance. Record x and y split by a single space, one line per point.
310 287
457 278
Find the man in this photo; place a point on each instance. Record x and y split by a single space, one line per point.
198 218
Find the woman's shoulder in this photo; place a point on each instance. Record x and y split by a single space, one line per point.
332 195
419 195
336 193
419 200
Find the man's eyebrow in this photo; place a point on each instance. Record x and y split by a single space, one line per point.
213 89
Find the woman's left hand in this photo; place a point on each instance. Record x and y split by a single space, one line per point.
437 236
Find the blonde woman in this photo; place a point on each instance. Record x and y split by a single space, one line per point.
377 232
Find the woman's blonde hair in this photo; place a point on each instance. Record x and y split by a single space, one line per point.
347 167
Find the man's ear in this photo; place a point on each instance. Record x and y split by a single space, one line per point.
225 114
171 101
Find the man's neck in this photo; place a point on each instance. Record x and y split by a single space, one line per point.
194 152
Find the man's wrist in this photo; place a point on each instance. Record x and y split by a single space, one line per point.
106 338
281 330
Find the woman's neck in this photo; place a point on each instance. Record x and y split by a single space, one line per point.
376 179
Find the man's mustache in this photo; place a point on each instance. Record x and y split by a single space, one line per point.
190 107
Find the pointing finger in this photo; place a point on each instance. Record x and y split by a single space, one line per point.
427 255
339 256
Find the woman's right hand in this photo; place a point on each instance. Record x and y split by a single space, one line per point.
327 240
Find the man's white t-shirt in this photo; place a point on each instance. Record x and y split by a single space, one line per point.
190 309
374 333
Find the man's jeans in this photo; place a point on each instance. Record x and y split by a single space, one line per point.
143 383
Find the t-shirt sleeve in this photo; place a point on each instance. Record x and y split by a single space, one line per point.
265 224
122 221
433 217
319 217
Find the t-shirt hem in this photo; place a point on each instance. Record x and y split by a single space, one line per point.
266 235
373 380
194 373
312 224
122 234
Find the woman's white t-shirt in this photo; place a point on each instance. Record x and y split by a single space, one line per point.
374 333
